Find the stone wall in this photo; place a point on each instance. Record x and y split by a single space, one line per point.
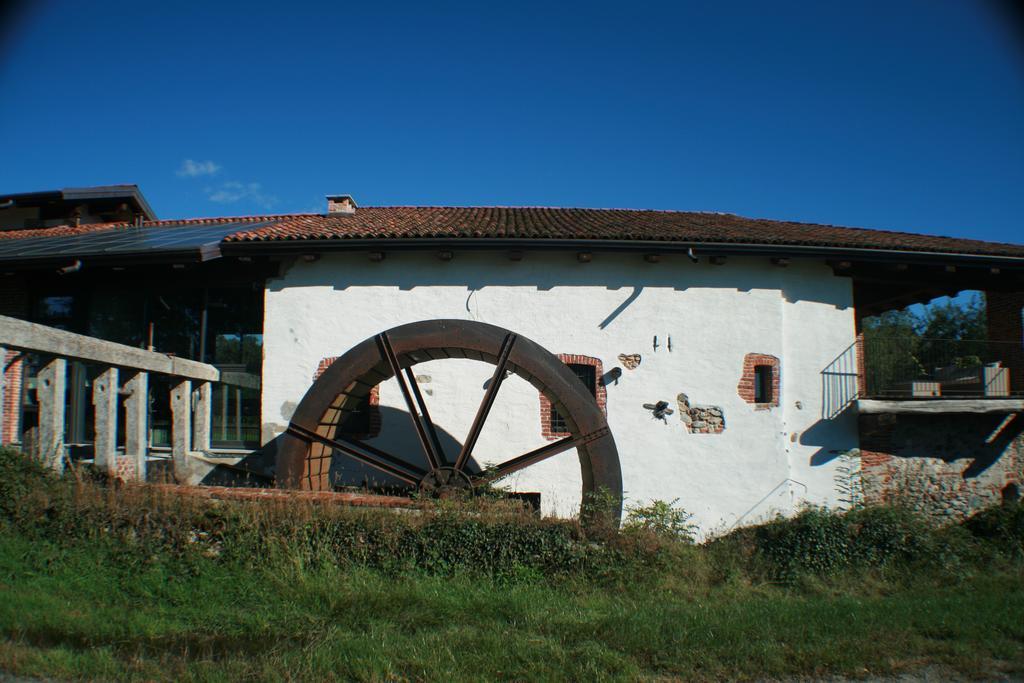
947 466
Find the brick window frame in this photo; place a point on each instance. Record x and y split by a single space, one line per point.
373 398
600 393
748 382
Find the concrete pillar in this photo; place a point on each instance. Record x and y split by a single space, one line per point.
3 381
136 422
51 385
1006 324
104 400
201 424
181 429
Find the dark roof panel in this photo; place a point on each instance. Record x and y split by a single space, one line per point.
200 241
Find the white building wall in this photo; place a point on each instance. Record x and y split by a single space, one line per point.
765 461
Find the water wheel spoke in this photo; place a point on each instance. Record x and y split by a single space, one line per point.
427 437
428 424
364 453
538 454
488 401
531 458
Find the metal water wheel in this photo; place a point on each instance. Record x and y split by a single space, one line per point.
305 450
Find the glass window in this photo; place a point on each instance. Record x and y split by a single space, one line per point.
174 317
116 314
763 384
62 310
586 374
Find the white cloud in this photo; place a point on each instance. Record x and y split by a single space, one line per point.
233 191
192 169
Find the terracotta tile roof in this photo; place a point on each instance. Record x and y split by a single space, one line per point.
426 222
414 222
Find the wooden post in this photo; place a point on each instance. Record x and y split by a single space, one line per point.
136 422
104 400
50 389
201 424
181 429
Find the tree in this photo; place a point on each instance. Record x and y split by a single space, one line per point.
955 332
904 345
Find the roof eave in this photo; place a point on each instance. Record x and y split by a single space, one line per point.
128 191
294 246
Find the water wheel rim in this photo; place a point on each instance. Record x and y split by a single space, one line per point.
366 365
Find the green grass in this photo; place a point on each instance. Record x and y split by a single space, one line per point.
98 583
75 610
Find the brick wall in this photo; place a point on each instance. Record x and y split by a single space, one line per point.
746 385
14 303
1005 324
601 394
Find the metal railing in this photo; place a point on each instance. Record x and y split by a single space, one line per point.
916 367
911 367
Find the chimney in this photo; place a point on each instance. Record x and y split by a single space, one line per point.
340 203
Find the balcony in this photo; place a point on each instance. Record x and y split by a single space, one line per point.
910 374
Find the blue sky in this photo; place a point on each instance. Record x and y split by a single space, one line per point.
904 115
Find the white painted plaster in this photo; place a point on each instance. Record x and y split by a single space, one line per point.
765 462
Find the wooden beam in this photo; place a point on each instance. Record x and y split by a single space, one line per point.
27 336
941 405
246 380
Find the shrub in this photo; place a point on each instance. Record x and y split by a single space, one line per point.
1002 527
30 493
661 519
822 542
489 538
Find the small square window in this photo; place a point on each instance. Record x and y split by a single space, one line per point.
763 380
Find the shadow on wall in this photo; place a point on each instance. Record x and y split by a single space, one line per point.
983 439
544 271
825 434
398 437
